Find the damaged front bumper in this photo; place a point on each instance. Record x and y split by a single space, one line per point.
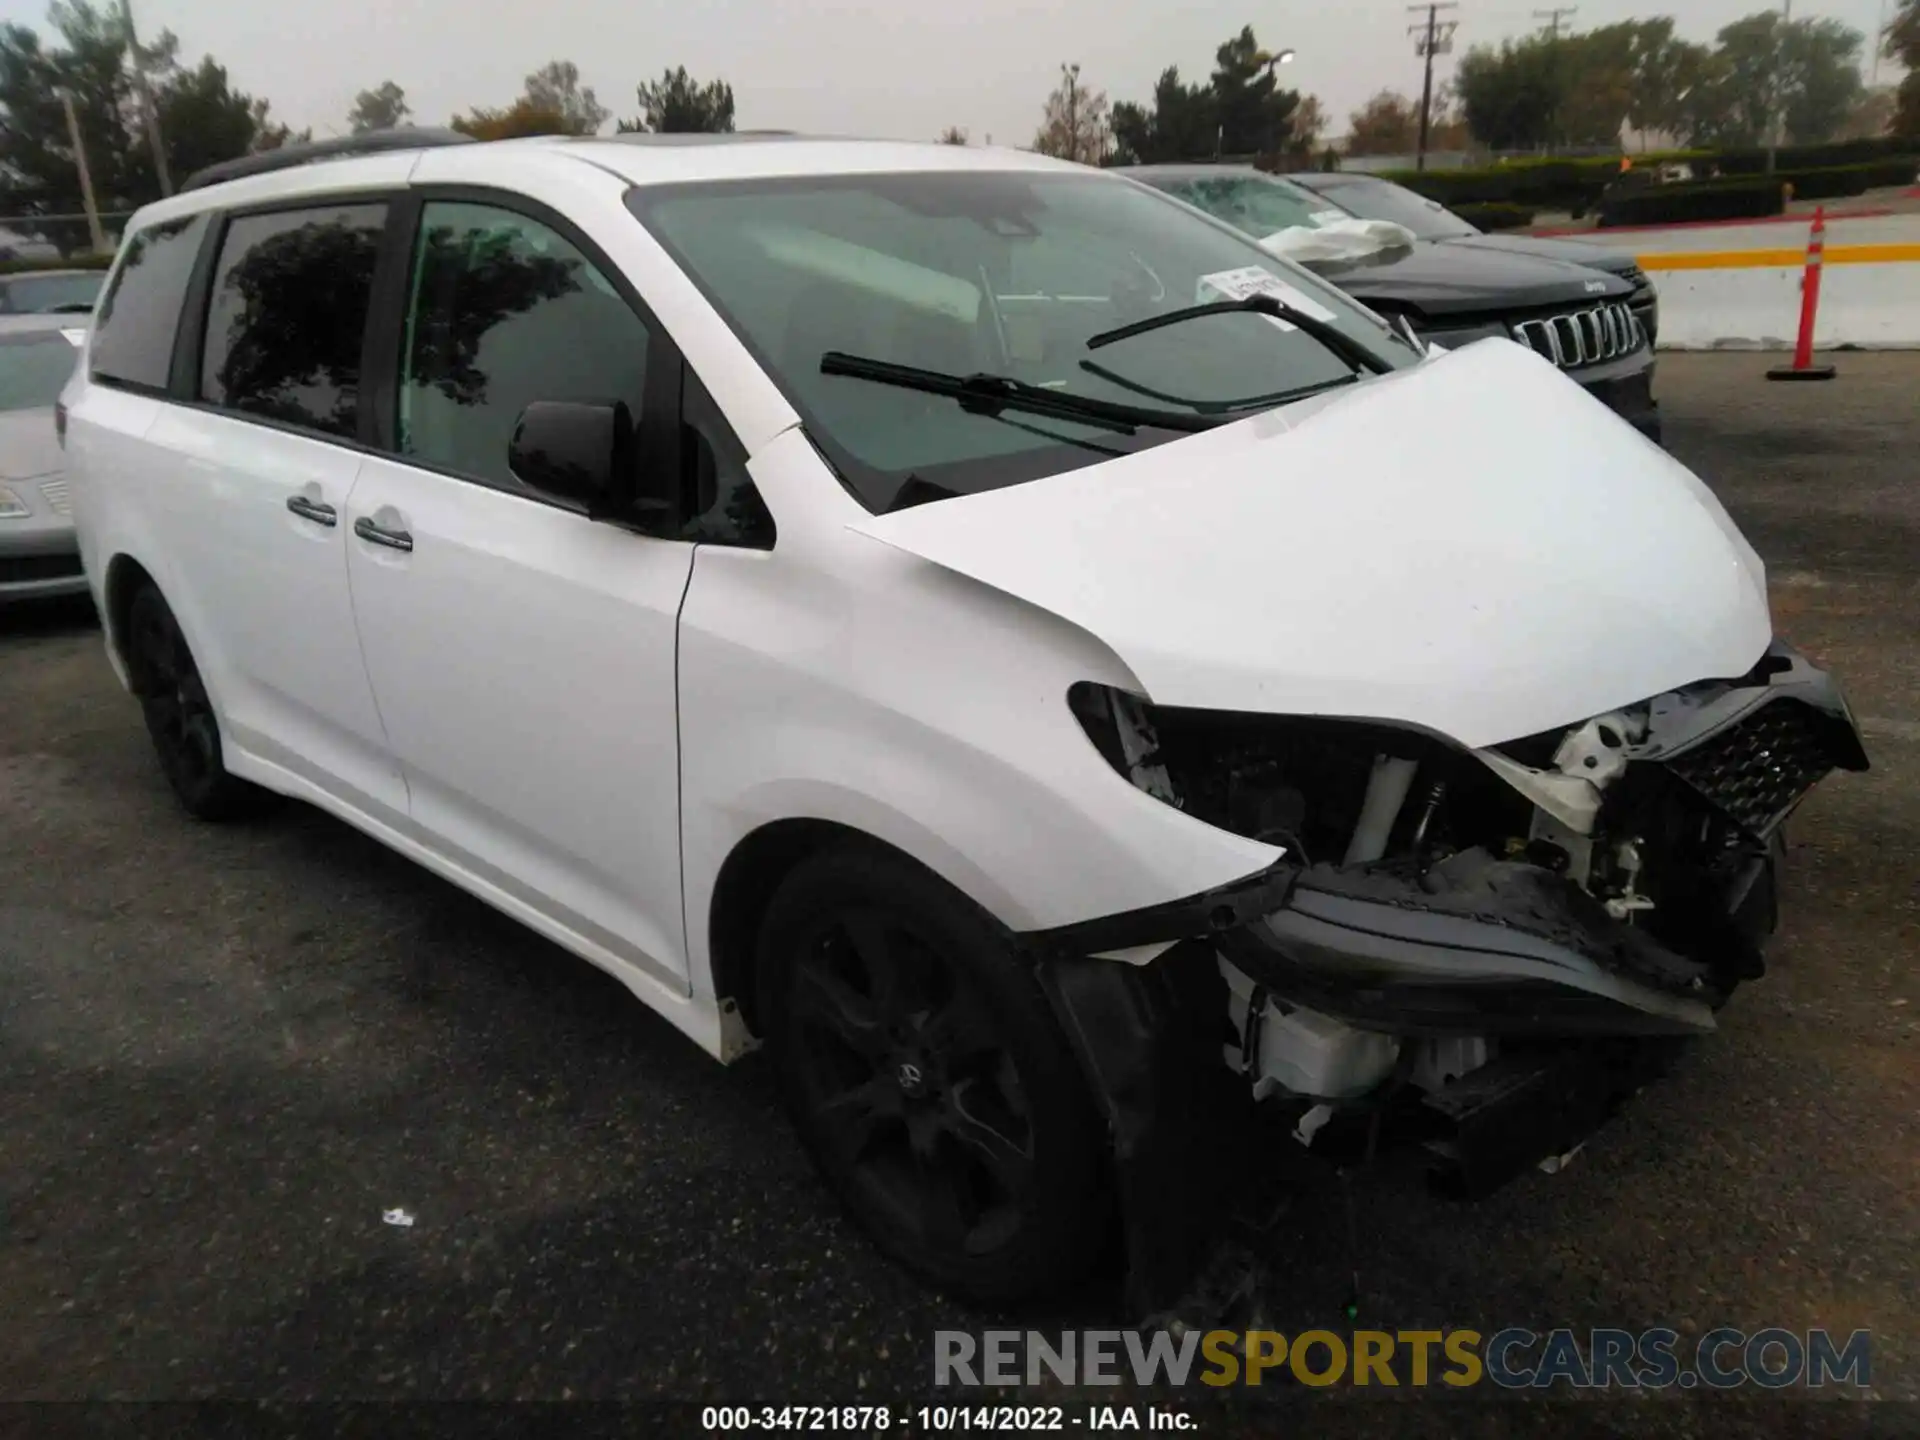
1494 1005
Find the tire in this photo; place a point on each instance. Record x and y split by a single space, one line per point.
929 1081
180 718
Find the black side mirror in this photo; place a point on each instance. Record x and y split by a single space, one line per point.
573 450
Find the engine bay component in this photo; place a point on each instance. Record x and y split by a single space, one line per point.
1291 1050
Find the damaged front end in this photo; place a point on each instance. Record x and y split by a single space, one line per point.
1484 951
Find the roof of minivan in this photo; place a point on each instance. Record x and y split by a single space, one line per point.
638 159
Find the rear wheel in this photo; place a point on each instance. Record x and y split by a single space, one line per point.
180 718
928 1079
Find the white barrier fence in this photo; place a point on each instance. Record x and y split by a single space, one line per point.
1738 287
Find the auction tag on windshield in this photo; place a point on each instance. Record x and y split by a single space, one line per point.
1258 280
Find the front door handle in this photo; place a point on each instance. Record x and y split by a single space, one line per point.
378 535
313 510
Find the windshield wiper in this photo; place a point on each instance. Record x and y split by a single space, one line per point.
990 394
1331 337
1231 408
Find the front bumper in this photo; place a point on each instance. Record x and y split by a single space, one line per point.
1625 386
1575 1006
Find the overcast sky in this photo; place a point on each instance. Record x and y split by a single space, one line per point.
896 68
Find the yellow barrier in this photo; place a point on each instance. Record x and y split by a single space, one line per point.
1779 259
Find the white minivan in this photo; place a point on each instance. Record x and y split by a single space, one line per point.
1074 686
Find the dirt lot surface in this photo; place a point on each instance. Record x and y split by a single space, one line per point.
227 1051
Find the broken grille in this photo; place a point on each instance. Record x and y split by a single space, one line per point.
1583 337
1758 769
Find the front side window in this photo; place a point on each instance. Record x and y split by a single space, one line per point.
505 311
1006 275
34 368
133 332
288 313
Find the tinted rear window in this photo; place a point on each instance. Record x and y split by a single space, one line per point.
287 314
133 332
38 294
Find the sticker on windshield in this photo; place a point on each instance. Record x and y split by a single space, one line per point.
1258 280
74 337
1328 217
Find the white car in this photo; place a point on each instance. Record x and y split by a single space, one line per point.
39 557
1050 670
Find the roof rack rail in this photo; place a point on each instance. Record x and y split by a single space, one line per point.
374 142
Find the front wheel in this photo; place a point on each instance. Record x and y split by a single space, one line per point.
179 716
928 1079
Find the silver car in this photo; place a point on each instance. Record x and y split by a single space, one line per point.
38 553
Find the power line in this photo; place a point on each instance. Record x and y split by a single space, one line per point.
1553 18
1431 39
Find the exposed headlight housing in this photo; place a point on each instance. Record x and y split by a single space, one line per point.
1296 780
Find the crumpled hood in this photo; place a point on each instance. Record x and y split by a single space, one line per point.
1474 545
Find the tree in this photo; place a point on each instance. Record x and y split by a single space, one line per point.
1077 122
953 135
553 103
1179 126
385 108
1872 116
1810 68
1388 124
1903 44
555 88
677 105
1596 70
203 118
1820 78
1510 96
1254 114
1309 122
519 119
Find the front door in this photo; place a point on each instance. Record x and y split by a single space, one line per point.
522 654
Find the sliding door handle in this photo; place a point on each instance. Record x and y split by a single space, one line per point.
379 535
313 510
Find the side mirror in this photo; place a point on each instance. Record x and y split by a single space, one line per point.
579 451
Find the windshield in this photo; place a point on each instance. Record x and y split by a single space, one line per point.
37 294
1384 200
34 368
1255 204
1006 274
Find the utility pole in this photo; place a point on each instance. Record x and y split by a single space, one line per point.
1777 120
1879 44
86 179
148 113
1431 39
1553 18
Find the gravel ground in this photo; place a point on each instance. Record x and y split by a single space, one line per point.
227 1051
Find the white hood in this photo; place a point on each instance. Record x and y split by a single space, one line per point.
1475 545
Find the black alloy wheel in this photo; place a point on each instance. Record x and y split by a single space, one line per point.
926 1075
179 716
